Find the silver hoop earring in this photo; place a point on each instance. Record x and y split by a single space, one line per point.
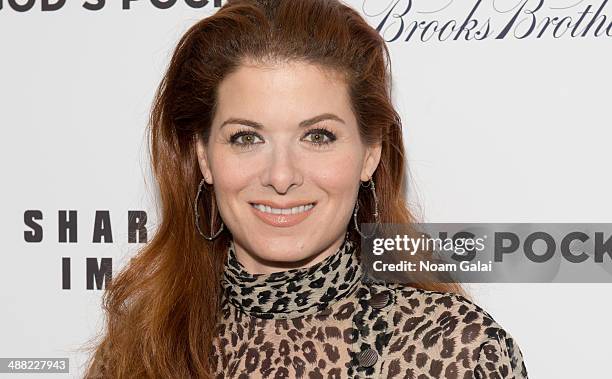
197 215
373 188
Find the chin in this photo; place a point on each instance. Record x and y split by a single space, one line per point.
284 252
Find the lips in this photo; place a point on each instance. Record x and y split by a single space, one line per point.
291 204
284 210
286 215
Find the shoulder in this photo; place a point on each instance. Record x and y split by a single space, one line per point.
451 330
437 305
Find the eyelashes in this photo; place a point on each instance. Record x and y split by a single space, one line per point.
245 138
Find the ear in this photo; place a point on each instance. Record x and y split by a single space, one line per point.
370 161
203 159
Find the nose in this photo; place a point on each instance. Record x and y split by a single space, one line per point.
283 169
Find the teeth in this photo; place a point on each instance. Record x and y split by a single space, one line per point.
285 211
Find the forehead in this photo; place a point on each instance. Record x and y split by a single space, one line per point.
283 92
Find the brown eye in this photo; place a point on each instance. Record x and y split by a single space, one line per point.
317 137
321 136
244 138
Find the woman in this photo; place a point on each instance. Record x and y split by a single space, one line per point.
274 133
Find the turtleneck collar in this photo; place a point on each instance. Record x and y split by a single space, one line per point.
294 292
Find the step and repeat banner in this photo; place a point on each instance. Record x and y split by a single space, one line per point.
506 114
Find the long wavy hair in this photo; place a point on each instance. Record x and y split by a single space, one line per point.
162 308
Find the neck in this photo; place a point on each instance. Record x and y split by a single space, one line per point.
294 292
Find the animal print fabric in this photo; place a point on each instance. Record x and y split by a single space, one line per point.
291 293
330 321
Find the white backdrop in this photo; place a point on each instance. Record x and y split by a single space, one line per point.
496 130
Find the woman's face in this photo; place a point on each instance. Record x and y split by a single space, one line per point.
284 136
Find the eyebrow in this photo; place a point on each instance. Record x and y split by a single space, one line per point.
303 124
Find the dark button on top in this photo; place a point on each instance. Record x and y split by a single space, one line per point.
367 358
379 300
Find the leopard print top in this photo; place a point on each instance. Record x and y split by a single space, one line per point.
330 320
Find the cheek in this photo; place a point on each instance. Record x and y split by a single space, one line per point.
231 176
336 176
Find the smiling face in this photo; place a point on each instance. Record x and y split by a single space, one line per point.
285 135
